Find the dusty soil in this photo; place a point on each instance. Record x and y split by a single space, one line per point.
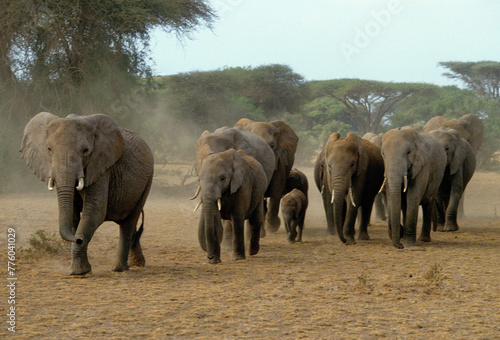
320 289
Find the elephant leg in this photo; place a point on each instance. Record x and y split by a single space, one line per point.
366 211
291 230
80 264
238 238
350 221
327 199
255 224
300 226
380 207
453 204
227 238
425 233
126 232
409 238
272 221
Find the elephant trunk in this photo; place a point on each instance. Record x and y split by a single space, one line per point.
339 192
65 197
394 207
209 236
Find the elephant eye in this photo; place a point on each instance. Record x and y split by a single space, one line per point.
222 178
49 149
352 164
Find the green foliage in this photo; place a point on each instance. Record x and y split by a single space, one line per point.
483 77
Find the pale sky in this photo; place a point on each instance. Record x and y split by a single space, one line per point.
386 40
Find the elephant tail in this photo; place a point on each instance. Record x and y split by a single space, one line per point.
137 235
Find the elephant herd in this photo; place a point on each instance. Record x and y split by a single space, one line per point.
104 173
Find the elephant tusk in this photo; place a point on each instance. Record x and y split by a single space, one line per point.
50 186
405 183
80 185
352 198
197 206
383 185
197 193
322 189
219 204
333 195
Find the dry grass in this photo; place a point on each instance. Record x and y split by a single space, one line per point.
319 289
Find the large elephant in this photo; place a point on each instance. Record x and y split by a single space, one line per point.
232 187
354 171
460 166
226 138
414 167
283 141
102 173
380 200
470 127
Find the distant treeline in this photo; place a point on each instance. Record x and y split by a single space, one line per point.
171 112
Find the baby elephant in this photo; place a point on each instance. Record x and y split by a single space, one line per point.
293 209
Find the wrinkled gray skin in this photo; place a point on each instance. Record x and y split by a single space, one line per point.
354 171
470 127
283 141
296 180
293 210
226 138
460 166
421 159
239 182
380 200
102 173
321 180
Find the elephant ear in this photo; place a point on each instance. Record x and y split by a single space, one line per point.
240 167
362 165
458 157
287 143
422 148
33 149
109 146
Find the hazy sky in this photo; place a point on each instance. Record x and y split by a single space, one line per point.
387 40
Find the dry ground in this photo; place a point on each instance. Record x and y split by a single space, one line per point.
320 289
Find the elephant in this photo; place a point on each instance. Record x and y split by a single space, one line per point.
232 187
283 141
226 138
414 167
381 199
354 172
293 210
296 180
470 127
460 166
322 184
101 172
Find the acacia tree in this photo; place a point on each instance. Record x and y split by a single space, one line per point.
88 52
482 77
369 103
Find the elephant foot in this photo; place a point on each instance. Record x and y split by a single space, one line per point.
426 238
262 232
214 260
363 236
398 245
121 268
409 241
272 224
440 227
227 244
254 250
290 239
450 227
238 257
350 241
80 268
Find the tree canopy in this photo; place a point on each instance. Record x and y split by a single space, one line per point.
483 77
368 102
89 52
